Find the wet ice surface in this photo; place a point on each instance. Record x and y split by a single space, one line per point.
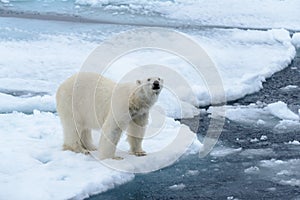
253 159
248 13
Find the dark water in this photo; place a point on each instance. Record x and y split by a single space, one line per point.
225 177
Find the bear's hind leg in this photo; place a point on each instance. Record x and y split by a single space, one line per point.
87 140
72 138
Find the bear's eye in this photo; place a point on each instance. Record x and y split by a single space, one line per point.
148 79
159 79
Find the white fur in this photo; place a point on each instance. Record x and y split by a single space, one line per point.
88 101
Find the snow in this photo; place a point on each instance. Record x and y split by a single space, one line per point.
49 59
9 103
33 159
292 182
275 115
287 125
235 53
254 140
230 198
246 114
244 69
260 122
251 170
280 110
294 142
263 137
296 40
224 151
177 187
192 172
257 152
289 87
285 172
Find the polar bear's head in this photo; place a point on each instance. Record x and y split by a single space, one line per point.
151 86
145 95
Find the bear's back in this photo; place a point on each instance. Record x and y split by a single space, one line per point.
84 96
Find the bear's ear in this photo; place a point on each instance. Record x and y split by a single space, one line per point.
138 82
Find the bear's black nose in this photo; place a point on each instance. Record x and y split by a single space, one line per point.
156 83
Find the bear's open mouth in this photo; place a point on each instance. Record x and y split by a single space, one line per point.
156 87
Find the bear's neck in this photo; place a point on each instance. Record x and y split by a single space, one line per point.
140 102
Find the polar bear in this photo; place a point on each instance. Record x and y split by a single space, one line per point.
87 101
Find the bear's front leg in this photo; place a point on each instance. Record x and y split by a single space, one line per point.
109 139
136 131
136 146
